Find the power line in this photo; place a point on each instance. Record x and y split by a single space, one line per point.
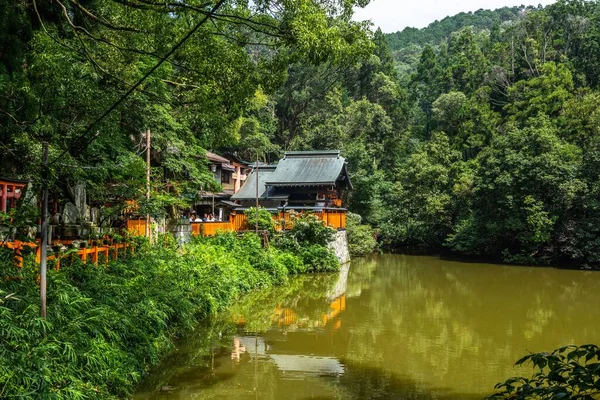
89 141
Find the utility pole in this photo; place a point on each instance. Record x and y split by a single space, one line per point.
44 227
257 192
148 180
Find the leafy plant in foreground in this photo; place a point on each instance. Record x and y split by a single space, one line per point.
570 372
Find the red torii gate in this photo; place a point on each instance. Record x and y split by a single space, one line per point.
10 191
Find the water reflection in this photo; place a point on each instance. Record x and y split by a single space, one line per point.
392 326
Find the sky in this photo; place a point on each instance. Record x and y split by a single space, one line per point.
395 15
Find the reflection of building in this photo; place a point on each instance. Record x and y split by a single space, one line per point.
322 362
288 317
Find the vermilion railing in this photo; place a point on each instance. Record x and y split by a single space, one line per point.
333 218
109 251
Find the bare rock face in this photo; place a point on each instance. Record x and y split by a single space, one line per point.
71 214
95 215
80 197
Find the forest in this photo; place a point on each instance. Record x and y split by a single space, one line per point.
489 147
482 141
476 136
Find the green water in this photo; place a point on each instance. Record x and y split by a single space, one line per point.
389 327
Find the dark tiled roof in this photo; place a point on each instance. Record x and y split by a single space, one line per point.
248 191
309 168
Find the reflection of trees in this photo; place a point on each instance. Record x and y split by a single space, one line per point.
463 325
361 272
413 328
367 382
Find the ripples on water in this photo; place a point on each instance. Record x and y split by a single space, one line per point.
388 327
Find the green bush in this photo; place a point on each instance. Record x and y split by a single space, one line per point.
265 219
361 238
310 229
108 324
318 258
293 263
570 372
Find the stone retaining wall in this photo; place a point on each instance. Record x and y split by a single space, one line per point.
339 245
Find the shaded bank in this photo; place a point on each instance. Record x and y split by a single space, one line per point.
108 324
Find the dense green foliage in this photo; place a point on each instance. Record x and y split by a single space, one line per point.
64 63
262 217
571 372
407 45
307 241
361 238
108 324
487 147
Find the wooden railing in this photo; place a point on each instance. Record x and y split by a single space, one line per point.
211 228
109 251
333 218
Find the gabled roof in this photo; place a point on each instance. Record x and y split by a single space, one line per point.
216 158
309 168
248 191
234 158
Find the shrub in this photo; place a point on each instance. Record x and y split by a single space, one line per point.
310 229
265 219
293 263
108 324
361 238
319 259
570 372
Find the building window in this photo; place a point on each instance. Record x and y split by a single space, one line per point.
225 176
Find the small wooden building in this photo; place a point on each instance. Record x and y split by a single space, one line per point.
302 179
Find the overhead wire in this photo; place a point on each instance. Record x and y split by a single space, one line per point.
82 137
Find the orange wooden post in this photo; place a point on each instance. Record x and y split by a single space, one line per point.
84 255
38 255
18 254
57 265
95 255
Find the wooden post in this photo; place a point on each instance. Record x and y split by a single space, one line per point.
18 253
148 179
4 198
44 226
257 192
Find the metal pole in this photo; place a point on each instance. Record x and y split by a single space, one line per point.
257 181
148 180
44 227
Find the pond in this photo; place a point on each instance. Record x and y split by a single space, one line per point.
388 326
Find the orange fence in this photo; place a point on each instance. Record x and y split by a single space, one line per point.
237 222
211 228
334 219
108 251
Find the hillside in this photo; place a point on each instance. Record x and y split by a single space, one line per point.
406 45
